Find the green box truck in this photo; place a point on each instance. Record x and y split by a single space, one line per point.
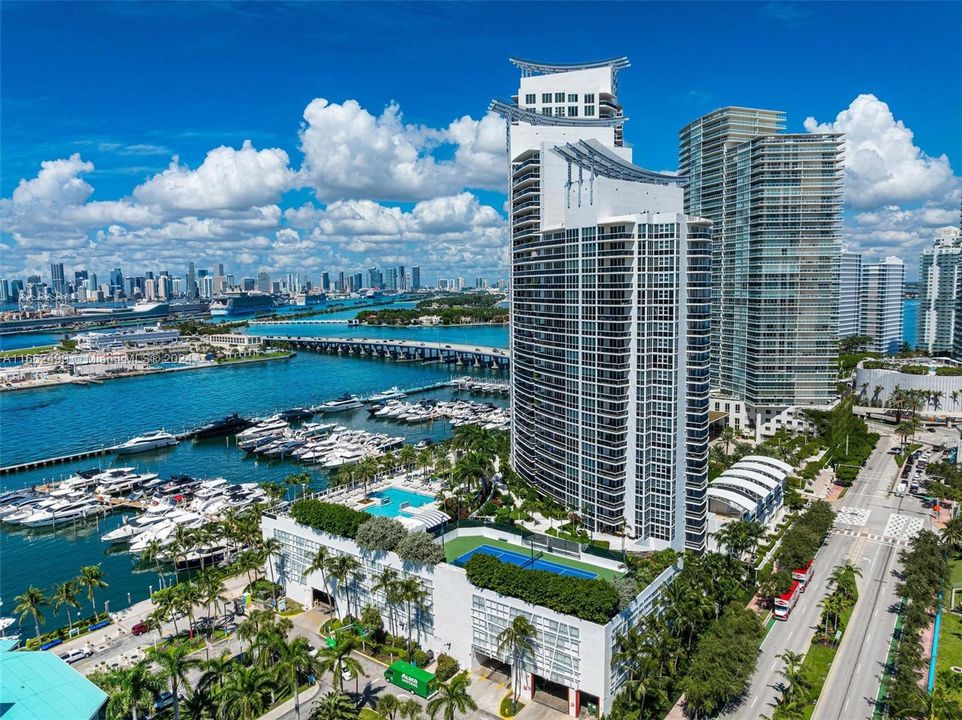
411 678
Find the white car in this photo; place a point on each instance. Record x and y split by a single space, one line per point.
73 656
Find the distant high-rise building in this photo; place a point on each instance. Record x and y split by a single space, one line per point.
442 284
401 279
849 294
220 269
339 285
479 282
16 287
373 278
390 278
325 282
5 291
249 284
263 282
416 277
358 283
881 304
57 282
191 281
939 274
79 275
775 201
609 315
206 283
116 281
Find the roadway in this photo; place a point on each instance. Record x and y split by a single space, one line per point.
871 526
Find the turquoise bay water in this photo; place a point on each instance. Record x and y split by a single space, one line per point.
60 420
910 321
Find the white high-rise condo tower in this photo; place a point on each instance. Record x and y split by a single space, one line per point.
881 304
849 294
610 290
775 201
940 273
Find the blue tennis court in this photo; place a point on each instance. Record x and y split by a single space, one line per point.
525 561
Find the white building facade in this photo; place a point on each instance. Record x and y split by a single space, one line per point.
849 294
882 283
939 275
775 201
610 287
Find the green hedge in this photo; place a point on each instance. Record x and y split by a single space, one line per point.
949 371
592 600
914 369
328 517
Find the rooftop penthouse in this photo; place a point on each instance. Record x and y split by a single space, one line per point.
475 570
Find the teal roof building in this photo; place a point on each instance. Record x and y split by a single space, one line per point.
41 686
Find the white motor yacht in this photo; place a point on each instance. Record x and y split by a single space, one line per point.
210 488
392 393
28 509
269 426
67 512
345 402
121 481
150 441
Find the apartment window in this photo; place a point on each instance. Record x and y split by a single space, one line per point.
559 112
572 111
531 98
572 97
546 111
589 98
546 97
589 110
559 97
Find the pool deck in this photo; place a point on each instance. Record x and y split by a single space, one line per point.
453 549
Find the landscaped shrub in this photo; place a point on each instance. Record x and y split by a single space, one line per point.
802 540
592 600
447 667
915 369
419 548
328 517
949 371
380 534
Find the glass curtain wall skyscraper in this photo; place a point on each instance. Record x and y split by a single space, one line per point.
610 323
775 201
881 304
940 274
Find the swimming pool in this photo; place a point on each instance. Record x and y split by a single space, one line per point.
525 561
396 497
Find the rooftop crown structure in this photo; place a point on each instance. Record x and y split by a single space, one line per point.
610 314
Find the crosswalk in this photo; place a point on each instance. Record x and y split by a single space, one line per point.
852 516
871 537
905 527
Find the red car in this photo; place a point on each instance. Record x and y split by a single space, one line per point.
139 629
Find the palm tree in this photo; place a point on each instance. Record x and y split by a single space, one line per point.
65 595
166 602
517 640
412 593
798 683
30 603
407 456
337 660
138 685
269 548
365 471
409 709
211 588
216 670
319 564
341 567
388 705
334 706
833 606
294 660
186 596
843 579
452 699
199 705
175 662
386 582
153 552
728 435
91 577
245 693
951 534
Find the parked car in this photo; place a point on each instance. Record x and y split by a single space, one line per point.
139 629
165 700
73 656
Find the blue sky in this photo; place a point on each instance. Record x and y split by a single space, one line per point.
130 85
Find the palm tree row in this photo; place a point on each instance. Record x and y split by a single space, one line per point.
64 595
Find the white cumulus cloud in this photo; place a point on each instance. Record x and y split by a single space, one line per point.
350 153
228 179
882 163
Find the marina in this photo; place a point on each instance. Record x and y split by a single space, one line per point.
114 413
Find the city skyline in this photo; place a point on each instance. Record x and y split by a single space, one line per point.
400 171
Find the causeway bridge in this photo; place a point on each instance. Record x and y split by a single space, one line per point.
295 321
401 350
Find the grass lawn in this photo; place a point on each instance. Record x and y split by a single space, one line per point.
254 358
368 714
950 634
818 661
454 549
23 352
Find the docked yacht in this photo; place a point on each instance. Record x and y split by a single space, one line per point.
269 426
129 530
66 511
150 441
121 480
393 393
79 481
14 501
27 509
345 402
229 425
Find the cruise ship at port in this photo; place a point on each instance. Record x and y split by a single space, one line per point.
241 304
